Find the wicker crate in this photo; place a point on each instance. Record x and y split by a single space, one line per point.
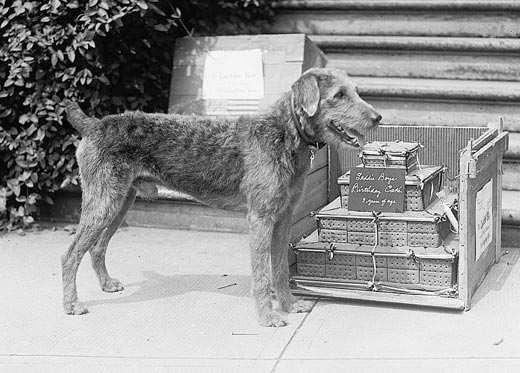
366 261
347 272
403 276
390 155
430 272
415 229
342 259
366 274
330 235
311 270
436 279
424 239
388 239
396 262
421 187
334 223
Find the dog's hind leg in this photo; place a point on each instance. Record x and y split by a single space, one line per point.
99 208
280 267
261 234
97 252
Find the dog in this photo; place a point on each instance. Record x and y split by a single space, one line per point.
255 164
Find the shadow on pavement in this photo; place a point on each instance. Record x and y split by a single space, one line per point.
157 286
497 275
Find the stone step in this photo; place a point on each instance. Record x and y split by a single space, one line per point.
447 102
464 18
510 218
496 59
172 210
511 175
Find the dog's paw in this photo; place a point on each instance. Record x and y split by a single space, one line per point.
273 319
301 306
75 308
112 285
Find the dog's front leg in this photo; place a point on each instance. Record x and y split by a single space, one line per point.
261 235
280 267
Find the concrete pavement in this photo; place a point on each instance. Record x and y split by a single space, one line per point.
186 308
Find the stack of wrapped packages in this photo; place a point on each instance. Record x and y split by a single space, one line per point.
393 228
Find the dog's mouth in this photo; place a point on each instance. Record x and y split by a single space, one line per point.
348 135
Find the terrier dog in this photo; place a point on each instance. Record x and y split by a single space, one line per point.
255 164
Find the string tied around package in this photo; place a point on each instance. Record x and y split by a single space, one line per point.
419 166
372 285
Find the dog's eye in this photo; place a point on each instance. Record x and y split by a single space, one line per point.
339 95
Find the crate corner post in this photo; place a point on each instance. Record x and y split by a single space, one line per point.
480 189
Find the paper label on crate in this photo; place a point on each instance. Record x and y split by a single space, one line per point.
376 189
484 219
230 74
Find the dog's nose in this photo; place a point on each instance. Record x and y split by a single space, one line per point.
376 118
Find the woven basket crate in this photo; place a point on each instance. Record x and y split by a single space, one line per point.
403 276
347 272
421 271
331 235
390 232
421 187
388 239
390 155
424 239
366 274
409 163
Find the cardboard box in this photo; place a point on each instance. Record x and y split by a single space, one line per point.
283 59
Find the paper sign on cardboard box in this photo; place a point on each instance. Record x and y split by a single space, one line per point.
233 74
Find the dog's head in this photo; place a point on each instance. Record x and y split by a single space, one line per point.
329 108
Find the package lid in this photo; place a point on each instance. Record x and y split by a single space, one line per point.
435 210
447 251
393 148
416 177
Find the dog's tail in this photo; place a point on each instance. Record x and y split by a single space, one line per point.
78 119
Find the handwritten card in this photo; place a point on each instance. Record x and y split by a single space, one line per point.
231 74
484 218
376 189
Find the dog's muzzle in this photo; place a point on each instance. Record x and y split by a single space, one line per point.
348 135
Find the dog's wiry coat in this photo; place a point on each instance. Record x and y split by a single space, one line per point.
256 164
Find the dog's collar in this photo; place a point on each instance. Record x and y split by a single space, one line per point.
301 131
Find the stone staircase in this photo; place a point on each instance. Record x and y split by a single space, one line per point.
433 62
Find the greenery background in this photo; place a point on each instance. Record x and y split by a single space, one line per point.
113 55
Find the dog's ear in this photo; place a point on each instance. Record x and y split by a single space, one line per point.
306 94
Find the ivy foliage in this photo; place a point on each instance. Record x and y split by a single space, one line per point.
113 55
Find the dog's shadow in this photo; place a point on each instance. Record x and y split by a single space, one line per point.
157 286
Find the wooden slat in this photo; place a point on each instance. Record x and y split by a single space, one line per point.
497 146
441 144
315 194
363 295
498 221
465 235
491 133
